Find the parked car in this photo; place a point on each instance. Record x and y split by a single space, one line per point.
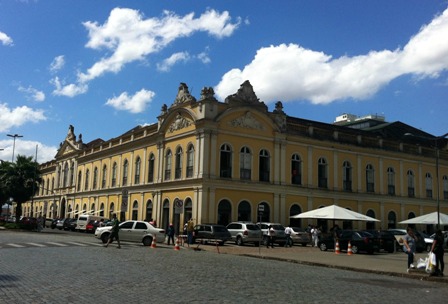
300 236
70 224
359 241
211 232
245 232
133 231
419 244
92 225
386 239
61 223
279 230
48 222
430 239
29 223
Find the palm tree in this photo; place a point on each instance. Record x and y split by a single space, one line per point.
19 180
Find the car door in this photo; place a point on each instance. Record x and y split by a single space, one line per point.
140 229
125 233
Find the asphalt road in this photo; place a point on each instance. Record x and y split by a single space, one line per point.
69 267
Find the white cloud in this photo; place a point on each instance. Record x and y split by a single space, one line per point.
166 64
27 148
33 93
134 104
129 36
5 39
19 116
69 90
57 63
204 57
291 72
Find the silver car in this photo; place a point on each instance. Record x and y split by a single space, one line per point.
279 230
133 231
245 232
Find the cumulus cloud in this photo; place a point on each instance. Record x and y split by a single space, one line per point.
5 39
128 36
44 153
33 93
69 90
136 103
166 64
290 72
19 116
57 63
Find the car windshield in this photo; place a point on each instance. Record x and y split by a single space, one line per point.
278 227
365 234
220 229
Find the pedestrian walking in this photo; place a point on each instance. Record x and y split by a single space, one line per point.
190 230
409 246
114 232
40 226
170 234
288 232
315 236
437 249
271 236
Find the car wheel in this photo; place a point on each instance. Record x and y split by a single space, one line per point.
355 249
105 237
147 241
257 244
239 241
323 247
221 243
304 244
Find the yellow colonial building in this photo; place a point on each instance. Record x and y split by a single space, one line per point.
218 162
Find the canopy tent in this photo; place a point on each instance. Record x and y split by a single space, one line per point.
334 212
428 219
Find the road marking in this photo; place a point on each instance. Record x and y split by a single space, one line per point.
57 244
36 244
78 244
15 245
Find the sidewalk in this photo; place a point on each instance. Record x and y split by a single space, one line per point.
392 264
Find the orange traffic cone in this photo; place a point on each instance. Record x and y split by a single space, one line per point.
349 250
153 244
337 250
176 247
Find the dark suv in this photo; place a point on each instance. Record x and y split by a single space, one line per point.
245 232
211 232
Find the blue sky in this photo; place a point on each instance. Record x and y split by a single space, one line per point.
107 66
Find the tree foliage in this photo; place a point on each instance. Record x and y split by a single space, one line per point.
19 180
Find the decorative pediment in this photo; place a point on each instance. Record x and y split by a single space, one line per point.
179 123
247 121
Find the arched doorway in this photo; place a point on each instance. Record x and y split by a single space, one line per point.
244 211
165 213
265 215
391 220
135 210
370 225
188 210
175 217
63 208
294 210
224 212
148 215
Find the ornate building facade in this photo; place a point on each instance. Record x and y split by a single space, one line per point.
218 162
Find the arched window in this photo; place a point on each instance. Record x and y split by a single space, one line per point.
225 165
86 182
322 173
370 225
101 209
390 181
72 173
244 211
79 180
245 163
168 157
428 183
296 170
294 210
135 211
370 178
114 175
178 170
347 176
190 161
138 163
411 184
264 166
125 173
65 178
151 168
95 178
391 220
148 216
104 177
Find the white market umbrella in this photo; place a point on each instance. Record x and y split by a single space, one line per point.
334 212
428 219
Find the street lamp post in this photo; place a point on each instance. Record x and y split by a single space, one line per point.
436 148
14 144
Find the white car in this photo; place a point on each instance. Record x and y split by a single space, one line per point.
429 240
133 231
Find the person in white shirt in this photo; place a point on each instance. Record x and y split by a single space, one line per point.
315 236
288 232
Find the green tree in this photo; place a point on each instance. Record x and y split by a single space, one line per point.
19 180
